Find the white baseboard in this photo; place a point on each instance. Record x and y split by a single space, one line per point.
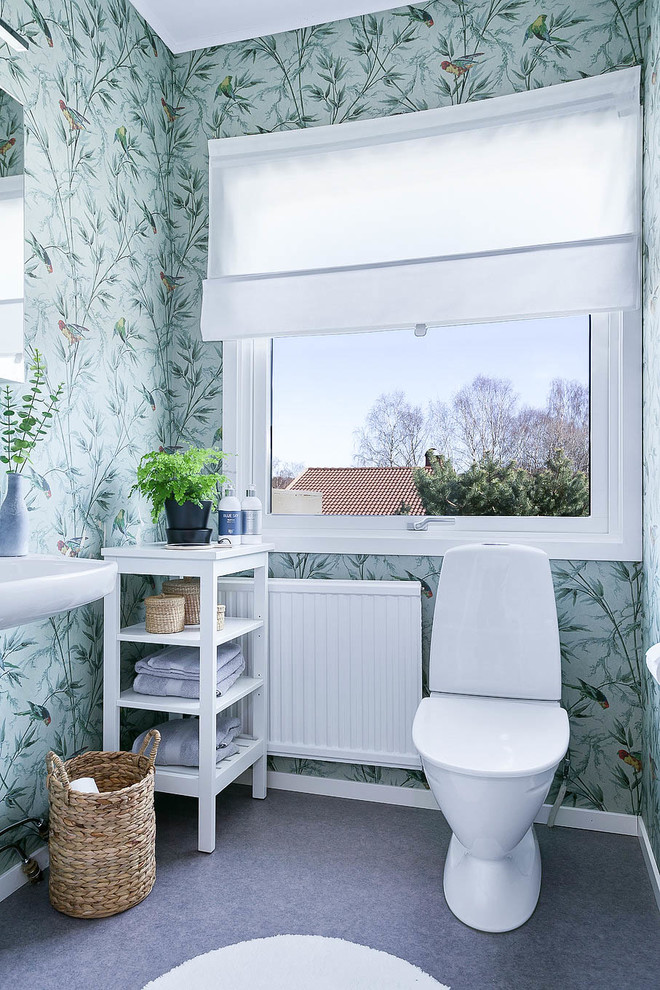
420 797
649 859
410 797
14 878
594 821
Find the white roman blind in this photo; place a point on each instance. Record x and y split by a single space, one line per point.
519 206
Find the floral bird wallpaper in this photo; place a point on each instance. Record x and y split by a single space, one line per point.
116 220
99 150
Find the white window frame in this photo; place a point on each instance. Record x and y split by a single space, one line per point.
611 532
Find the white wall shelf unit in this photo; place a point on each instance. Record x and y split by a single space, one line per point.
210 566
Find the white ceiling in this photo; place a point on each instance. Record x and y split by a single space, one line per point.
188 24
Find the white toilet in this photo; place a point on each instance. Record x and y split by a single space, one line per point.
493 733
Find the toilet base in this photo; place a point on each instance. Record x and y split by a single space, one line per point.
493 895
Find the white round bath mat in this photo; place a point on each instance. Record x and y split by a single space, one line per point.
296 962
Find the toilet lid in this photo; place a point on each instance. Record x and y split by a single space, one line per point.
491 736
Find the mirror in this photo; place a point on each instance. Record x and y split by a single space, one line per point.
12 241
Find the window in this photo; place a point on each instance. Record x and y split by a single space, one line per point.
377 251
297 403
489 419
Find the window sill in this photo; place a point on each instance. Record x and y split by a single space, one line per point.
558 546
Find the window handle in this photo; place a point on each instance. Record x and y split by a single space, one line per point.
421 525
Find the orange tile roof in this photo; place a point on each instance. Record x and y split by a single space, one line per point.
362 491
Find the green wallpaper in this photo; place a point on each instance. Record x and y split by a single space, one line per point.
98 206
115 208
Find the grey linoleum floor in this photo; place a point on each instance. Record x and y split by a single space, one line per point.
369 873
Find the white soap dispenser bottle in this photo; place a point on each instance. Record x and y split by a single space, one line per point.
229 517
251 516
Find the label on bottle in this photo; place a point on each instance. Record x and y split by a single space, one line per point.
251 522
229 522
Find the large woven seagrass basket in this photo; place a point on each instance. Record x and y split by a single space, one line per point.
102 846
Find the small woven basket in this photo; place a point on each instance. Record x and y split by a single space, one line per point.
102 846
189 588
164 614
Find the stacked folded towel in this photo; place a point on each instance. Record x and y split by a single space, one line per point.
175 671
179 741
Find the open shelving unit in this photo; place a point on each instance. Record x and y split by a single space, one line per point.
210 565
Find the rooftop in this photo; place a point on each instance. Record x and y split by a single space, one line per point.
363 491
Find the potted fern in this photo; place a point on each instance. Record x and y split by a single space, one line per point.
24 425
184 484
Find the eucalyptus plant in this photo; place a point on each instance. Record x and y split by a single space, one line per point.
26 424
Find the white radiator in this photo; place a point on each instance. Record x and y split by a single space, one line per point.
345 670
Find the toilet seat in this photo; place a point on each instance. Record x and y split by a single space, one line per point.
490 737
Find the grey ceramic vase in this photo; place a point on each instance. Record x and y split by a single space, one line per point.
14 518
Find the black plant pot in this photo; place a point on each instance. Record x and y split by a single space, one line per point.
191 517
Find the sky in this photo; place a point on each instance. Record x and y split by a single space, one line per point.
324 386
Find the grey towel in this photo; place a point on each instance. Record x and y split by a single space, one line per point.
179 741
177 687
183 661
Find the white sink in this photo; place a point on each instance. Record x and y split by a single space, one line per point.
36 587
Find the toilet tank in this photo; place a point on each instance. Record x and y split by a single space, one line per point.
495 629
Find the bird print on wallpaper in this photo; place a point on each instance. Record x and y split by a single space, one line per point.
72 547
38 713
149 217
40 21
119 524
225 88
170 281
73 332
6 145
418 14
75 119
591 692
151 38
41 253
121 135
459 65
539 29
426 587
633 760
38 481
148 396
170 112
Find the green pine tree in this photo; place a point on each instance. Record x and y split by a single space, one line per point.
439 490
560 490
492 488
